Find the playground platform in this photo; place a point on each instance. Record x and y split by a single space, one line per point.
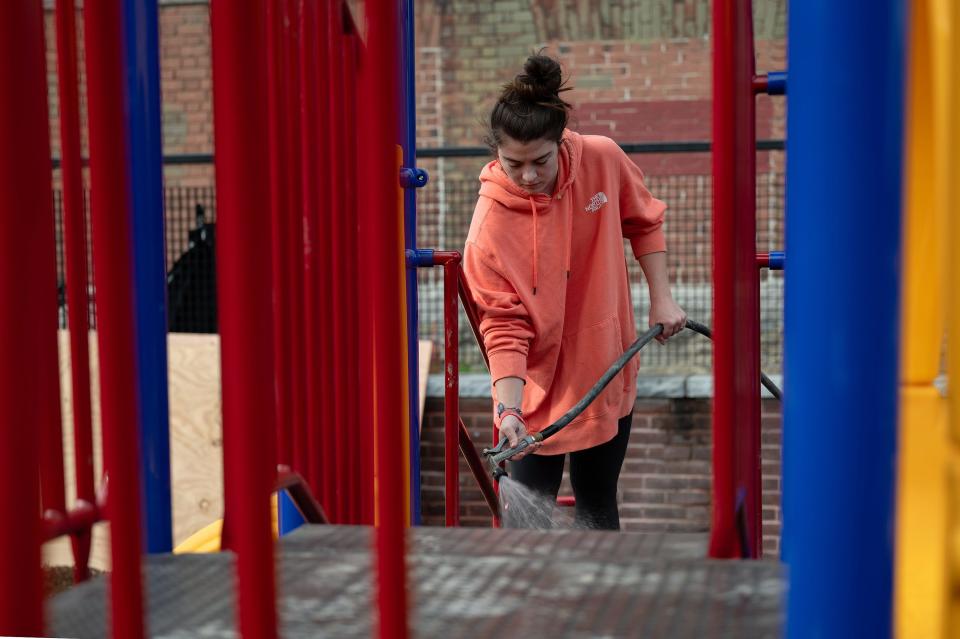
466 583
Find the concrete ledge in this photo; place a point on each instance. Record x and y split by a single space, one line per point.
477 386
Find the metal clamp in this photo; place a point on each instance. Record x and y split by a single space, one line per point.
413 178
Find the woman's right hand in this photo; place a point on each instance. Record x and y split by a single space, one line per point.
513 430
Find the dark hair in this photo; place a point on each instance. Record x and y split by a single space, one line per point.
530 107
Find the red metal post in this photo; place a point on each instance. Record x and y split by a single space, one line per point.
337 130
451 387
332 146
75 249
243 291
294 244
359 374
26 224
470 310
381 233
333 258
280 215
736 361
318 404
359 338
113 277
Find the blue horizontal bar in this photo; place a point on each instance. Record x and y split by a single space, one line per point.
777 83
778 260
419 258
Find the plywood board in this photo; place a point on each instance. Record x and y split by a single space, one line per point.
426 352
196 447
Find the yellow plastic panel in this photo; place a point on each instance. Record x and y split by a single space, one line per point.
951 620
953 219
952 604
926 193
922 514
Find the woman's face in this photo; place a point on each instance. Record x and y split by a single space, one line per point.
531 165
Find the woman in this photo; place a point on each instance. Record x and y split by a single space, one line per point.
544 257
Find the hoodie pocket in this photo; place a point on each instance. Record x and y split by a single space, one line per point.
585 355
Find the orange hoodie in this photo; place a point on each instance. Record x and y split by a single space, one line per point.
550 281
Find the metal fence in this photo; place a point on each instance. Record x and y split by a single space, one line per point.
445 207
190 218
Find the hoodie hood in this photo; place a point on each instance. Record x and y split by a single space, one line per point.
497 185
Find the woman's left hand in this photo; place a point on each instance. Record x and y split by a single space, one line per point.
667 312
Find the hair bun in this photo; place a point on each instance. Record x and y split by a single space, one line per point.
541 81
542 73
530 106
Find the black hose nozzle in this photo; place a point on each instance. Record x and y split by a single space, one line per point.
500 453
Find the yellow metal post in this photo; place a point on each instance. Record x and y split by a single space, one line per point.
922 501
951 616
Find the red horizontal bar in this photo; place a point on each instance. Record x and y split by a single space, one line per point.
760 83
441 258
78 519
299 491
763 260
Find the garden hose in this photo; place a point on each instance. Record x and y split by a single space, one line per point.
500 453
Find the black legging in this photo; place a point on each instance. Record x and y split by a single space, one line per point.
594 473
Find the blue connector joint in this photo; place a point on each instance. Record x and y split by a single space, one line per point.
778 260
419 258
413 178
777 83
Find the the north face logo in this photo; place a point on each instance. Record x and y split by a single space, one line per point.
596 202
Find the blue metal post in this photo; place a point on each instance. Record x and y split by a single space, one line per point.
408 127
842 314
146 154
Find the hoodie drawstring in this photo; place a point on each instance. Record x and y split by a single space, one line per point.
536 250
569 241
533 208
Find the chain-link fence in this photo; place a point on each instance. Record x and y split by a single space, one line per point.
445 207
189 217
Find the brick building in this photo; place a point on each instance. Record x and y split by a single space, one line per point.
641 73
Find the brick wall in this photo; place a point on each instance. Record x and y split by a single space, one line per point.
640 68
185 85
666 479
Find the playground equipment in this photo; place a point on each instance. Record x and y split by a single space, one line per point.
925 576
293 80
